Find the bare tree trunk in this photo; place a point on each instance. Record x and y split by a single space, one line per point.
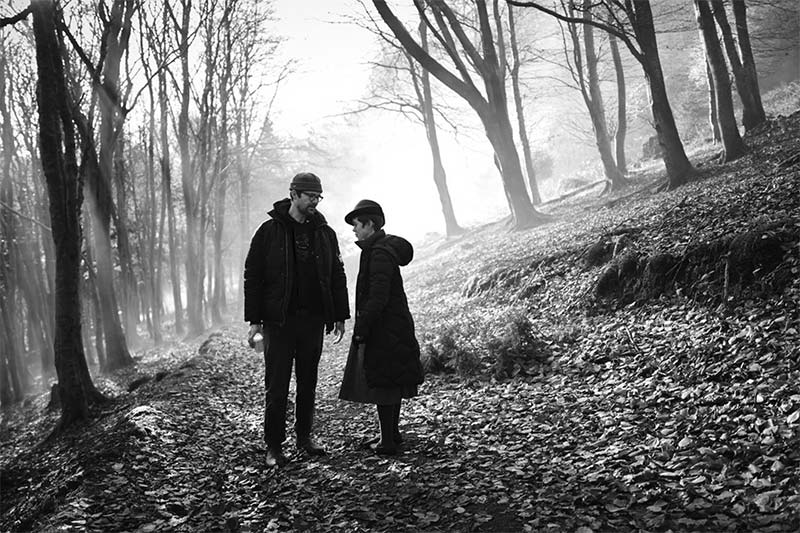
595 104
11 374
536 197
93 291
731 140
195 258
91 356
42 294
713 121
622 107
33 288
100 206
112 154
75 387
166 176
755 115
425 98
243 171
155 217
12 382
218 301
677 164
128 284
158 281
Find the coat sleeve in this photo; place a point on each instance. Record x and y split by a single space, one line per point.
341 300
254 271
381 267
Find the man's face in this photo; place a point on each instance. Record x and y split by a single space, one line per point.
306 202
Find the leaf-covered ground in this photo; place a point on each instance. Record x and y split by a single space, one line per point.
679 412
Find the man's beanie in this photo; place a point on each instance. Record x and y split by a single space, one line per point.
364 207
306 181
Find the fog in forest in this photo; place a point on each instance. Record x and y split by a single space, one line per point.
219 106
384 156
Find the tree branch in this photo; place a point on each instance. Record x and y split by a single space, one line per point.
25 217
7 21
93 72
467 45
445 39
470 94
616 32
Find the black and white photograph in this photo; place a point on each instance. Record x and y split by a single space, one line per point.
502 266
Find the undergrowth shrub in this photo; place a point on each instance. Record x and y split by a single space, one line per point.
783 100
449 352
518 350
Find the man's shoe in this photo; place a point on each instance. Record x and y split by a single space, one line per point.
275 458
310 447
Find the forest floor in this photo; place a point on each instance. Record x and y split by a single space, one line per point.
581 388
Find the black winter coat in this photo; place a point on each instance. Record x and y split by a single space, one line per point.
269 270
383 320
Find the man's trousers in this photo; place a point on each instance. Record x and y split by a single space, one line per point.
298 341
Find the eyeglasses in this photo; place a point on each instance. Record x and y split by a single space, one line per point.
313 197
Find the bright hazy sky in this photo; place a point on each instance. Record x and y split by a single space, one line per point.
392 161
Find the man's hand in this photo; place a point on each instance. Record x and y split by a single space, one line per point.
254 328
338 331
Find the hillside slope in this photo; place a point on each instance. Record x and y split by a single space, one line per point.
550 274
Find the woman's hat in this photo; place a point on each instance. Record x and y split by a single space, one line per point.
364 207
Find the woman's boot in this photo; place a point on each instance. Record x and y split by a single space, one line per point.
386 418
398 438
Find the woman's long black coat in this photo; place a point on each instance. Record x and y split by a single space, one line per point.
383 320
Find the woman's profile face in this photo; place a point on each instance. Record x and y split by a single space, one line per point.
362 230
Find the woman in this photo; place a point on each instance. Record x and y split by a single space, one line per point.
383 365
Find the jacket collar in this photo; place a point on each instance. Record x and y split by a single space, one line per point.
370 241
280 212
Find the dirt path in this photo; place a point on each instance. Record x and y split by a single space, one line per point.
571 452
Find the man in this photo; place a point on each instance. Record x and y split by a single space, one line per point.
294 288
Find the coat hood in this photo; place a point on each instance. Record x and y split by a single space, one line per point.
280 212
398 247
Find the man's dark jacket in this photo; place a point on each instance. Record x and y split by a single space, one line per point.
383 320
269 270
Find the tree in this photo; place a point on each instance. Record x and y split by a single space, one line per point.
622 114
743 68
588 79
222 161
117 22
632 23
99 169
394 72
731 140
57 148
193 195
422 87
712 106
12 383
536 197
161 51
491 108
153 212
